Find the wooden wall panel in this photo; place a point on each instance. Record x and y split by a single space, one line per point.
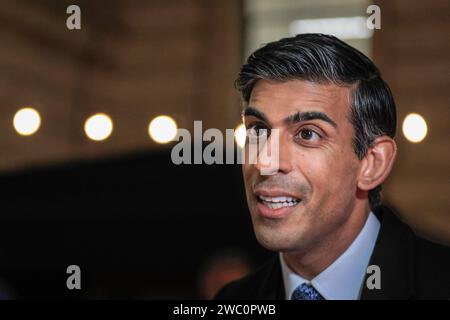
133 60
412 51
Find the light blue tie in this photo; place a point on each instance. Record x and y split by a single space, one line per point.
306 291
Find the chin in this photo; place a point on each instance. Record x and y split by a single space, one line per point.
284 235
274 240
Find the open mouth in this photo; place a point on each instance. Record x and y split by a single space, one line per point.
278 202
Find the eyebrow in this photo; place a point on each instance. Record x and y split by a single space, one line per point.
292 119
309 115
251 111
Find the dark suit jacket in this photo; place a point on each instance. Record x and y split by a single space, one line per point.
411 268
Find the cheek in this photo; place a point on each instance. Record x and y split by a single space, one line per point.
328 172
248 173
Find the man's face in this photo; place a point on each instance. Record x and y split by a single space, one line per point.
314 190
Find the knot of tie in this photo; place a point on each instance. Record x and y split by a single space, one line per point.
306 291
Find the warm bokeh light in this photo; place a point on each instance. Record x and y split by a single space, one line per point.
344 28
162 129
98 127
27 121
414 127
240 135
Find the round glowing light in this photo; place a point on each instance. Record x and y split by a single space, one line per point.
27 121
414 127
240 135
98 127
162 129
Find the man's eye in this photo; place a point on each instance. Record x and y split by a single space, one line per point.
308 134
257 130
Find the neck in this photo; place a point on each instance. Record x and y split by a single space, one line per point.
308 264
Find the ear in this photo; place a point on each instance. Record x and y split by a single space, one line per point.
377 163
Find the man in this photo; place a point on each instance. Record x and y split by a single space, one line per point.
319 207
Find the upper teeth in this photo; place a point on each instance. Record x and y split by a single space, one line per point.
278 199
278 202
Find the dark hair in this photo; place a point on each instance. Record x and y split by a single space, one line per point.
323 58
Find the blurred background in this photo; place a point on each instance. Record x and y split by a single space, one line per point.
87 178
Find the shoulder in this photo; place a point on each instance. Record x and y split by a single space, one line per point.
432 269
251 286
410 262
241 289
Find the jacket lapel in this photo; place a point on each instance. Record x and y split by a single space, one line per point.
394 254
271 286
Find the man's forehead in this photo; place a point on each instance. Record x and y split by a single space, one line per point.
285 97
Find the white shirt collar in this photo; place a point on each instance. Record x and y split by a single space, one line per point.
343 279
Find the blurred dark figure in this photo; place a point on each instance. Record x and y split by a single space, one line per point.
6 292
221 269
